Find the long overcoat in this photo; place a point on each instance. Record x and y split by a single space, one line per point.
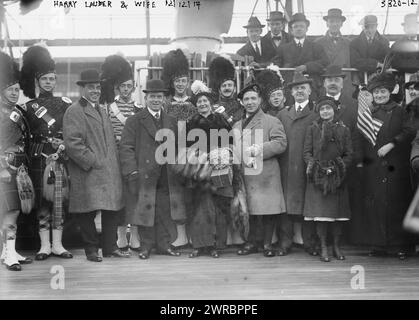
137 149
263 184
333 205
95 175
387 187
293 168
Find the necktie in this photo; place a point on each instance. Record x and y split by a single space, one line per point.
257 49
369 40
97 107
299 45
157 116
299 109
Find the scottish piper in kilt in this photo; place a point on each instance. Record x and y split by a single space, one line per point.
16 189
48 171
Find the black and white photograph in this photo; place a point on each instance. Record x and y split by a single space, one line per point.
209 154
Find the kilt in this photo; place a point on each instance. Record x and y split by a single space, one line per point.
36 173
9 199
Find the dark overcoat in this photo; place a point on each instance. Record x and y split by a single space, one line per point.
293 168
270 45
93 166
137 151
248 50
333 205
365 56
387 189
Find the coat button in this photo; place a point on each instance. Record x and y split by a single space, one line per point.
147 161
385 180
146 176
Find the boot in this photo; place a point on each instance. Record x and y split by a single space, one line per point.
122 241
57 246
45 250
11 261
322 233
336 241
134 239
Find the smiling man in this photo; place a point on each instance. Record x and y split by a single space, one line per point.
96 183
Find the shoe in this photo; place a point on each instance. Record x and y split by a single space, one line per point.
14 267
195 253
338 255
137 249
283 252
312 251
144 254
118 253
247 249
41 256
171 252
64 255
57 248
402 255
94 257
25 260
214 253
124 249
268 253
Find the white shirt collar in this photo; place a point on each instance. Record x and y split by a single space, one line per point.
181 99
336 97
153 113
302 104
299 40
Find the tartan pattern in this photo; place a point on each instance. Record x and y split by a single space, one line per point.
58 213
368 125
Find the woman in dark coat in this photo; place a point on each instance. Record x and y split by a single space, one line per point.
210 206
328 154
386 172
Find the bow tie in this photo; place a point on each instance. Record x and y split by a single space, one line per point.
335 38
277 38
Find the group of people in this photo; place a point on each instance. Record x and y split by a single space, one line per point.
309 153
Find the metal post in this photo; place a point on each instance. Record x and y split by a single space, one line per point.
147 21
2 20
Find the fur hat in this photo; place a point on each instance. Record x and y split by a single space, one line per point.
115 70
175 65
220 70
269 81
36 61
9 71
384 79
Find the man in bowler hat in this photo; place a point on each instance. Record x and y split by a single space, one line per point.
155 198
96 183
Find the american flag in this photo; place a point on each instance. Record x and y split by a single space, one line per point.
368 125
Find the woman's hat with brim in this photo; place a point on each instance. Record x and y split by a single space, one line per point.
385 80
299 78
251 87
333 71
253 23
88 76
325 100
298 17
334 13
155 85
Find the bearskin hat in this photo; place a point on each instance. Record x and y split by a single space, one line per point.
36 61
269 81
175 65
115 70
220 70
9 71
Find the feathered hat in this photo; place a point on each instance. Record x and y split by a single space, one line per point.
36 61
9 71
115 70
220 70
200 89
269 80
175 65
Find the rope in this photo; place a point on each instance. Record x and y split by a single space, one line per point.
385 25
253 11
